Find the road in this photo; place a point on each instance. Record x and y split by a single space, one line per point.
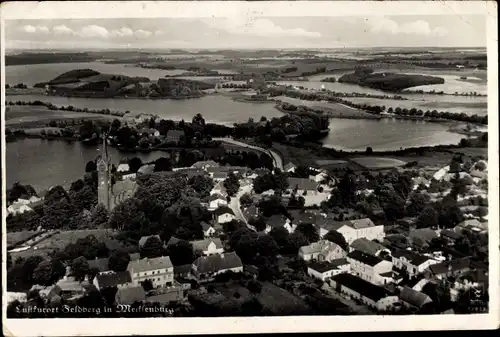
277 161
235 203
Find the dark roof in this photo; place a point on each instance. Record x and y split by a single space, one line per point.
99 264
206 163
251 212
135 256
413 297
299 217
203 244
328 223
220 175
302 184
359 223
454 265
415 259
143 239
214 263
216 196
205 226
129 295
364 258
450 234
111 279
173 240
276 220
424 234
326 266
367 246
182 269
289 166
361 286
223 210
162 262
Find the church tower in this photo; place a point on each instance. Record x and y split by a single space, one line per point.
103 173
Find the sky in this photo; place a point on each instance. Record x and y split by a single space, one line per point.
247 32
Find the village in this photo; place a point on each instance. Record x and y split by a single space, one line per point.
296 240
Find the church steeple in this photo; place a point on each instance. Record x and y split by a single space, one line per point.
103 173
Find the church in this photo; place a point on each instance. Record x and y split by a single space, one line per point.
108 194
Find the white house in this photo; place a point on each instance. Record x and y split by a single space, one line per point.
370 268
368 247
206 267
159 271
374 296
325 270
18 208
208 230
208 246
219 188
215 201
123 168
360 228
224 214
322 250
129 176
290 167
413 263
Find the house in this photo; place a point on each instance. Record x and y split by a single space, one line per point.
322 250
251 212
174 135
290 167
450 236
173 241
101 265
319 176
70 288
203 165
206 267
131 294
219 176
278 221
182 271
368 247
360 228
173 294
413 263
123 168
302 185
109 279
215 201
219 188
422 237
18 208
370 294
159 271
50 293
299 217
413 299
325 270
223 214
143 239
370 268
208 246
417 283
208 229
450 268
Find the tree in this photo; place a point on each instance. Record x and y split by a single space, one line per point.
153 247
76 185
295 241
202 185
48 272
338 238
90 166
369 150
181 253
134 164
280 235
232 184
258 223
80 268
163 164
417 202
128 216
99 216
246 200
118 260
428 217
309 231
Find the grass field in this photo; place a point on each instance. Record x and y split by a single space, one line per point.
62 239
15 237
378 162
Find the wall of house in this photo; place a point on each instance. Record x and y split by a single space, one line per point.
212 249
370 233
386 303
158 278
325 275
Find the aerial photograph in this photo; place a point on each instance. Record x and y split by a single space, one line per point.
220 167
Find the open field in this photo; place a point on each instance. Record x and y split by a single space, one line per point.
62 239
15 237
33 116
378 162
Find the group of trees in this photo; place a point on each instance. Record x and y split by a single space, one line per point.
51 106
276 180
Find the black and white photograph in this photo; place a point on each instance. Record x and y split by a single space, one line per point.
307 161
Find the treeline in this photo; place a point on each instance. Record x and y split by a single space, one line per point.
51 106
44 58
17 86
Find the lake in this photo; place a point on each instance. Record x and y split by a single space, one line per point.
214 108
36 73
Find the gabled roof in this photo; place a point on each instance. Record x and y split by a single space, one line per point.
143 239
203 244
327 266
205 226
220 187
162 262
99 264
359 223
425 234
182 269
111 279
415 259
223 210
299 217
289 166
129 295
220 175
453 265
206 163
216 196
367 246
318 247
361 286
173 240
413 297
450 234
302 184
364 258
217 262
